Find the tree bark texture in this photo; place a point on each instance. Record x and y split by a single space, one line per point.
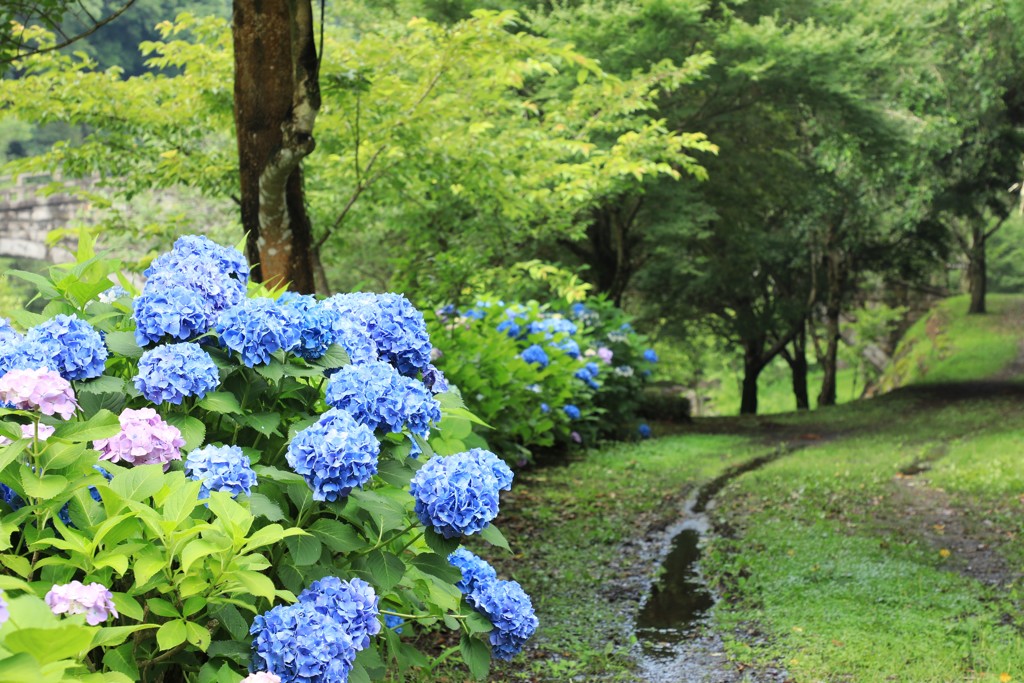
977 279
277 97
752 366
834 261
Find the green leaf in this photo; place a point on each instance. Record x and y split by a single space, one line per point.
338 536
395 472
122 660
104 384
192 430
197 635
234 622
17 564
303 550
387 568
439 544
123 344
272 533
261 506
255 583
197 549
264 423
138 483
127 606
275 474
104 424
181 502
478 623
10 430
43 285
476 655
223 402
272 372
112 636
493 535
45 487
50 644
237 651
60 455
335 357
171 634
162 608
436 565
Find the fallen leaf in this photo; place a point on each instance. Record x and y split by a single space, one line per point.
944 553
1005 677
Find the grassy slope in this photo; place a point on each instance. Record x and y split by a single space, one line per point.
946 345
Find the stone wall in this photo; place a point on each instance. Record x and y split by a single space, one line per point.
26 217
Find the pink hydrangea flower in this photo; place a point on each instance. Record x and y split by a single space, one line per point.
144 439
94 601
605 354
40 388
576 437
261 677
29 432
4 614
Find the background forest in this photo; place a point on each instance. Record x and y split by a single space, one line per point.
765 186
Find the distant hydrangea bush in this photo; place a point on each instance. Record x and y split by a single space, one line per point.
172 372
334 455
220 468
535 355
458 494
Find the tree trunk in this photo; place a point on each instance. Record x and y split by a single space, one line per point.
752 366
834 297
797 361
977 279
277 97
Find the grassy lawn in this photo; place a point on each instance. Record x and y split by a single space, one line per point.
850 567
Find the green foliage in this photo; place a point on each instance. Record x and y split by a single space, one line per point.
188 574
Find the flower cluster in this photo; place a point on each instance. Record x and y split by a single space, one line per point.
315 640
504 603
458 494
261 677
40 389
187 288
334 455
650 356
535 354
256 328
588 373
376 395
7 332
568 346
112 294
144 439
644 430
318 325
94 600
571 411
220 468
173 371
396 329
78 349
552 326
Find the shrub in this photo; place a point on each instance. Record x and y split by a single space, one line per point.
286 538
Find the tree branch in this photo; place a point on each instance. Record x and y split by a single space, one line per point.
68 41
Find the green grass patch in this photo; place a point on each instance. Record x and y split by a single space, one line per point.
825 560
947 345
571 528
775 390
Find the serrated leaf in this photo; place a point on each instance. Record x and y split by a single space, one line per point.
171 634
439 544
192 430
435 565
338 536
476 655
261 506
493 535
387 568
223 402
138 483
104 424
104 384
123 344
303 550
50 644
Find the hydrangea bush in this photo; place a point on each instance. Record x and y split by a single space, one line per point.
544 376
205 480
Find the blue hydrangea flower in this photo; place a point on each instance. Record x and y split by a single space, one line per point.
257 328
334 455
458 494
9 496
7 333
552 326
353 604
28 355
376 395
545 408
93 491
80 351
176 312
644 430
568 346
435 380
397 329
509 608
171 372
650 356
572 411
475 571
220 468
217 291
394 622
112 294
319 324
535 354
191 250
510 328
302 645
